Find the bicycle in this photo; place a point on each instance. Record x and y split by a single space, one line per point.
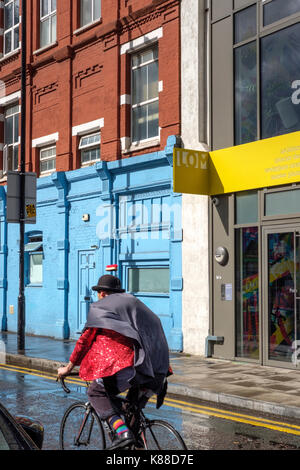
81 428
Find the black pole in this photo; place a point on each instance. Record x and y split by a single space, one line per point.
21 298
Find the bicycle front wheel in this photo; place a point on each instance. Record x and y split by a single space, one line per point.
81 429
160 435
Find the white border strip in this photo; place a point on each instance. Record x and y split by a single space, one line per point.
45 140
5 100
88 127
141 41
125 99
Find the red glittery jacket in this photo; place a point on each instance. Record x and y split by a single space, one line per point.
102 353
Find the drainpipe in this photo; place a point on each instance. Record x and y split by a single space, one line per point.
210 341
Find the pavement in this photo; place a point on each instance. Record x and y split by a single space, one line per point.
250 386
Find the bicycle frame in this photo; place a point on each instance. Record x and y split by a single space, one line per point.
86 415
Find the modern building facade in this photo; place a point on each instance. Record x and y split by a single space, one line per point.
251 107
103 117
255 48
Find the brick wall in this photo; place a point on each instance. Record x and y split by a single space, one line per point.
81 76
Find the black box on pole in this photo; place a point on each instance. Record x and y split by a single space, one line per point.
14 198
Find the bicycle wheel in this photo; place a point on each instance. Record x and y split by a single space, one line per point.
81 429
160 435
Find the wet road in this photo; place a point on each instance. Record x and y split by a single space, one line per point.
204 426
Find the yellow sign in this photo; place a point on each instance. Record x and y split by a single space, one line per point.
191 171
30 210
265 163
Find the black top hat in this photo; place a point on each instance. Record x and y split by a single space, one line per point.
108 283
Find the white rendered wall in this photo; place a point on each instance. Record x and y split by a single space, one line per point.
195 300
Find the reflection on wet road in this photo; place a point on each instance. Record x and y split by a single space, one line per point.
204 426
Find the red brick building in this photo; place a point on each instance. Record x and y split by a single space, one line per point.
80 57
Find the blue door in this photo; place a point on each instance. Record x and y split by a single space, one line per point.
86 279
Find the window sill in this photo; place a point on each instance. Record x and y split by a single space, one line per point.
135 146
150 294
10 54
91 163
47 173
34 285
45 48
86 27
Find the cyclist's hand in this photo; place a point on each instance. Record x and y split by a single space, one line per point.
64 371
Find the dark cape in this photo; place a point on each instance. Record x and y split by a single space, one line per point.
130 317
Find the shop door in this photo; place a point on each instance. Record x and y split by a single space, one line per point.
281 291
86 279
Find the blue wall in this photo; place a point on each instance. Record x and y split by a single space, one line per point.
134 221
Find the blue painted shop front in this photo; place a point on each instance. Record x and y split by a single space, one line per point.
122 212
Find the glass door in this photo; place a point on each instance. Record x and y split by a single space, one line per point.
281 294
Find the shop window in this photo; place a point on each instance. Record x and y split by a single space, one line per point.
276 10
283 271
247 300
90 11
47 22
34 252
149 280
11 25
47 160
11 138
89 147
144 114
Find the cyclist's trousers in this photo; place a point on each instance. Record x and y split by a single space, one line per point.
100 390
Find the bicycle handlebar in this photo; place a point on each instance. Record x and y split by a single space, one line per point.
62 382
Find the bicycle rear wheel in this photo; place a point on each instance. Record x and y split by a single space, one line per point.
160 435
81 429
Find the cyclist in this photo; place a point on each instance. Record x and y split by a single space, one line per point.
122 347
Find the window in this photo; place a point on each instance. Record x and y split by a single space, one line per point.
90 10
34 251
149 280
282 202
11 139
245 60
47 22
247 293
145 95
47 159
89 147
276 10
280 64
269 64
245 24
11 25
246 207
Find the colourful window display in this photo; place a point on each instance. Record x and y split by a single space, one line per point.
247 308
281 298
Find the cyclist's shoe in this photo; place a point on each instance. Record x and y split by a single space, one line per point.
124 440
